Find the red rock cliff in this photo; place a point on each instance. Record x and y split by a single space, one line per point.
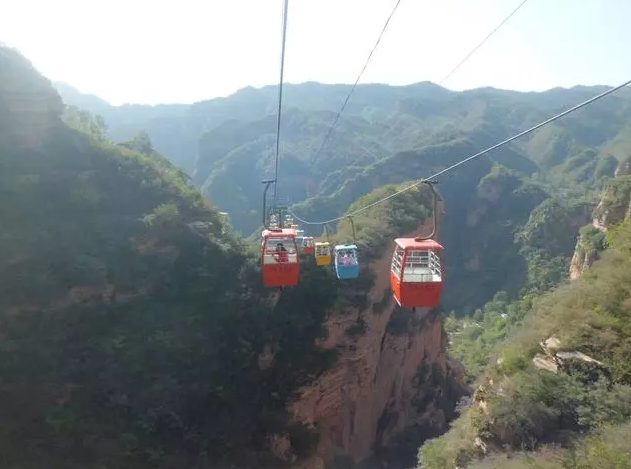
382 383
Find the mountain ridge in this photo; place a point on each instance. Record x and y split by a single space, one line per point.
388 134
161 348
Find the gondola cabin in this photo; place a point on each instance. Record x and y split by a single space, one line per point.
416 274
346 261
279 258
308 245
300 239
323 253
292 228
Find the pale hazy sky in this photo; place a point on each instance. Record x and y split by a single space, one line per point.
187 50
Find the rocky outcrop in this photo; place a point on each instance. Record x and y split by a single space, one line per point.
614 207
385 381
554 359
615 203
607 215
500 433
582 259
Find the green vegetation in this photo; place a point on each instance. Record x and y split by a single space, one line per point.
132 328
543 243
616 198
552 224
376 227
592 240
537 408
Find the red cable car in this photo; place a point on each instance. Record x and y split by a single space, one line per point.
416 272
279 258
308 245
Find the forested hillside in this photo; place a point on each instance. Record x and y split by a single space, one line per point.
130 326
559 393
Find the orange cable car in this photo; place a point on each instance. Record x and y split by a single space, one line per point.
416 273
279 258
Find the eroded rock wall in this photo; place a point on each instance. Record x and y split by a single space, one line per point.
385 381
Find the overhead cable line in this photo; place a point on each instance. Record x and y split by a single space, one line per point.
462 61
475 49
350 93
483 152
280 99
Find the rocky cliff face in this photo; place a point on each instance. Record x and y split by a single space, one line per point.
394 376
614 206
581 260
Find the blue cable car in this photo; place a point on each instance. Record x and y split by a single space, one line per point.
346 261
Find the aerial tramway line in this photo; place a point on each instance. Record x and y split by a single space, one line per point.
416 268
